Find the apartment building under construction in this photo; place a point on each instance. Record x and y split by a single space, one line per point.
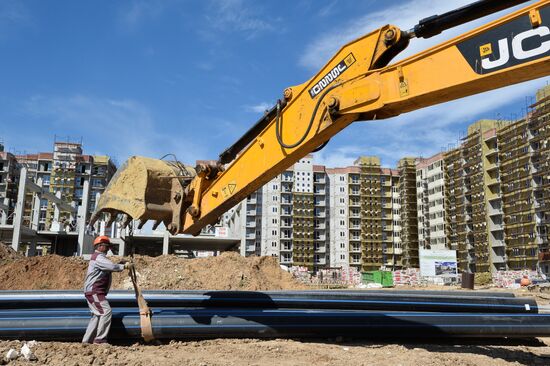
525 183
64 173
409 211
487 199
9 175
319 217
496 190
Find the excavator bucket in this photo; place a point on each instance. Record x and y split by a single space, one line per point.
145 189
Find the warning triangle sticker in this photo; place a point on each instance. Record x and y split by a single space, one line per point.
231 187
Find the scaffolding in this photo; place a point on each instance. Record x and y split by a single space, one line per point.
371 213
409 212
302 230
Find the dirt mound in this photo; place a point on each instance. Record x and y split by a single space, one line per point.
7 254
228 271
50 272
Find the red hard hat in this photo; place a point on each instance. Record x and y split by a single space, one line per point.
102 239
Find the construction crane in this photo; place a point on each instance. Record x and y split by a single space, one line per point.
356 84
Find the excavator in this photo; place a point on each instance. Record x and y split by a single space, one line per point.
357 84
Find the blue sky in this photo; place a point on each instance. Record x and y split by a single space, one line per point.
189 77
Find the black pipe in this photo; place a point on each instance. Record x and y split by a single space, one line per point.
431 26
185 323
451 293
273 300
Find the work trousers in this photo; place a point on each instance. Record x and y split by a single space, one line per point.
100 323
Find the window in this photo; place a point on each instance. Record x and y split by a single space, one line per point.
274 209
273 244
273 232
274 221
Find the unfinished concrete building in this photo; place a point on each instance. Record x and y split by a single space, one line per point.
524 170
74 180
539 131
373 212
430 189
473 209
409 212
9 175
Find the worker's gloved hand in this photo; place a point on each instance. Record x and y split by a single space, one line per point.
128 265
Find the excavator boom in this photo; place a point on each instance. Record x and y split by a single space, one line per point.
355 85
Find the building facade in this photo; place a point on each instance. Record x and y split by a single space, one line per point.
487 199
318 217
9 176
64 172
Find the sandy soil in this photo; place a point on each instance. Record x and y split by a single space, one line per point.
228 271
233 272
287 352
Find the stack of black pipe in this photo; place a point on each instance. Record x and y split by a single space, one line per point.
63 315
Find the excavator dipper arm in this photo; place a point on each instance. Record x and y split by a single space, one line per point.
355 85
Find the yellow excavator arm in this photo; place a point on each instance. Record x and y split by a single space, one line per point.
355 85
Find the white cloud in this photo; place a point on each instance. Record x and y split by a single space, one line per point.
133 14
408 13
258 108
338 157
120 128
238 16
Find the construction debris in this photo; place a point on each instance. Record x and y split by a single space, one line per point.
27 352
11 355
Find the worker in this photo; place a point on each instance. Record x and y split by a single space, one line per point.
96 288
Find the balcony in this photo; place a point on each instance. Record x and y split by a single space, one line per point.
321 249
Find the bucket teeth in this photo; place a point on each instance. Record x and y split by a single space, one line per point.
110 219
156 224
126 219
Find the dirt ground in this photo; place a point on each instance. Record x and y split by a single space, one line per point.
284 352
233 272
